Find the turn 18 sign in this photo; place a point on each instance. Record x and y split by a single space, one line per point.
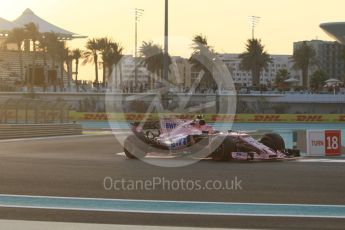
324 142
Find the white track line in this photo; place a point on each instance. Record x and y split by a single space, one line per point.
44 225
60 137
321 160
304 160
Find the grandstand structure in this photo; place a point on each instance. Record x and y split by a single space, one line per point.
50 75
43 26
45 73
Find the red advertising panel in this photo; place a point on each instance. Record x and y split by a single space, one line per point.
333 142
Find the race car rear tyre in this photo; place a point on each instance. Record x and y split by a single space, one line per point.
224 150
134 147
274 141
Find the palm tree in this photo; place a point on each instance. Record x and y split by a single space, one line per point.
43 46
91 55
62 55
112 56
48 44
148 52
52 47
302 57
255 59
151 52
33 34
200 60
76 55
104 47
200 40
318 78
281 76
17 35
68 58
153 59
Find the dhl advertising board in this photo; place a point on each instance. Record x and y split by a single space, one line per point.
245 118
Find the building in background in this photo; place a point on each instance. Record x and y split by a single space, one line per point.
124 73
268 76
183 75
328 57
179 74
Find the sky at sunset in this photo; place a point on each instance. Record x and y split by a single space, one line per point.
224 22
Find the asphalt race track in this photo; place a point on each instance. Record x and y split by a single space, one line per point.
76 167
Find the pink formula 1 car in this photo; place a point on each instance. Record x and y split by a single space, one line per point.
176 137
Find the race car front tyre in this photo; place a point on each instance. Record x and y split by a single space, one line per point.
224 150
134 147
274 141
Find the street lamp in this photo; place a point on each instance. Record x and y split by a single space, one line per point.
254 20
138 14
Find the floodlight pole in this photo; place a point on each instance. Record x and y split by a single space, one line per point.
138 13
166 41
254 22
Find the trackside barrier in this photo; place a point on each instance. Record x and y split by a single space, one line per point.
11 131
246 118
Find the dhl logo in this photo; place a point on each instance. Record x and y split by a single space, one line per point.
309 118
95 116
224 118
266 118
341 118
